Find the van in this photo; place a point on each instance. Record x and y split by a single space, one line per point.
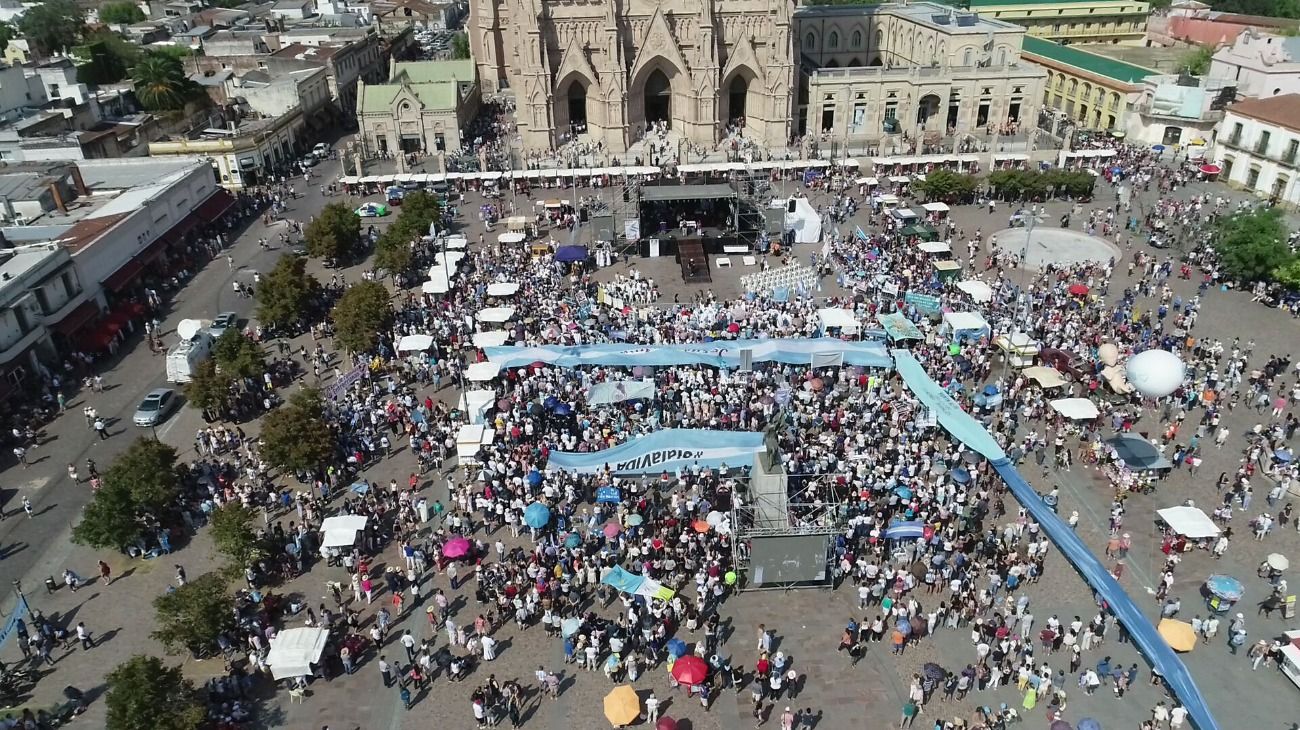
185 355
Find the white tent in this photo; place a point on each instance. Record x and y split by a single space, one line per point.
1188 521
933 247
510 238
471 438
1045 376
475 402
414 343
867 181
965 321
496 314
293 651
1076 409
978 290
437 285
482 372
837 317
935 207
804 221
441 271
447 259
341 531
495 338
502 289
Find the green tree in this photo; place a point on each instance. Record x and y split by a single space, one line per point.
161 83
1007 184
296 437
1197 61
946 186
145 694
209 387
191 617
287 294
460 46
234 536
419 209
360 315
122 13
393 251
7 33
1252 244
148 470
1288 274
102 66
334 233
238 355
53 26
108 521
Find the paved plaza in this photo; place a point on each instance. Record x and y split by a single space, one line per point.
806 623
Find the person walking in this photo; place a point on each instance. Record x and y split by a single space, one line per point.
27 507
386 672
101 428
83 635
105 573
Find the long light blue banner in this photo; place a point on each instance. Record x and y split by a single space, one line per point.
967 430
723 354
667 450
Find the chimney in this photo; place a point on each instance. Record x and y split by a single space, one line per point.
8 204
58 197
78 183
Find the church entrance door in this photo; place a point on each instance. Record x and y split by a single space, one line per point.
658 98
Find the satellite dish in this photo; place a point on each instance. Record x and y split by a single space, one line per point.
188 328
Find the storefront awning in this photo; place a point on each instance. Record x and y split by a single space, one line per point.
77 318
121 278
177 233
215 206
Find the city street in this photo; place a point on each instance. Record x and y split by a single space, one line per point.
807 622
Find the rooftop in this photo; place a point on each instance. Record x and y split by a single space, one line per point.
304 52
930 14
17 265
434 72
1282 110
1013 3
378 98
1092 63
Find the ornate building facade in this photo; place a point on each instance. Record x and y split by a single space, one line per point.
607 69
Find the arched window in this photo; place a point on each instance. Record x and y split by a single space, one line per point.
966 57
833 41
857 39
810 42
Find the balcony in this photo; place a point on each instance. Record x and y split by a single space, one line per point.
1208 116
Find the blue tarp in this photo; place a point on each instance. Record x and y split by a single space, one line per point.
569 254
1143 634
667 450
723 354
898 327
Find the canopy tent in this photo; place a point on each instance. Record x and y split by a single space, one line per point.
837 317
1076 409
1045 376
898 327
1137 453
966 324
414 343
495 338
448 260
513 237
978 291
1188 522
496 314
933 247
502 289
293 651
482 372
475 402
342 530
438 285
867 181
471 438
936 207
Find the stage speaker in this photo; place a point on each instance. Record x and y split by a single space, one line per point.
789 207
603 225
774 221
582 215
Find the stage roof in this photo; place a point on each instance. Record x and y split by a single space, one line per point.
686 192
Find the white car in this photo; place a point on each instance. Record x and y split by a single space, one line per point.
321 150
372 210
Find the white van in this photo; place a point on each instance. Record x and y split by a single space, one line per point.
195 347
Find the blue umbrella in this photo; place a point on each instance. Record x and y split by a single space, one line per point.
608 495
676 647
961 475
551 402
573 540
991 390
903 492
1283 455
905 531
1157 148
1088 723
564 409
634 520
537 515
569 627
1225 587
361 487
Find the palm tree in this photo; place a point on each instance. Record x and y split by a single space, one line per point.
160 82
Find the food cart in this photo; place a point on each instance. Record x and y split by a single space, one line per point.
1018 349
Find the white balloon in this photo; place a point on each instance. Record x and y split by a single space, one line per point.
1155 373
1108 353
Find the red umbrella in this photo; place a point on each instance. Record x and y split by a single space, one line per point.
666 723
700 526
1078 290
733 328
1211 169
690 669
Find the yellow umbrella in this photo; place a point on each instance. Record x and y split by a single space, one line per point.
622 706
1178 634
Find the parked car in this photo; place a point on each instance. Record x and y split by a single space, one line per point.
223 322
394 195
1071 366
321 150
372 210
155 407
